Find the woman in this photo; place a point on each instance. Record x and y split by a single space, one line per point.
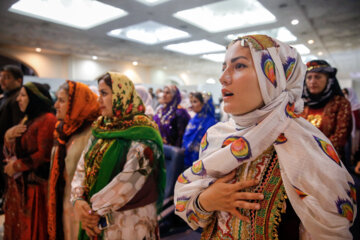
76 108
30 142
325 104
119 181
171 117
147 100
266 150
195 130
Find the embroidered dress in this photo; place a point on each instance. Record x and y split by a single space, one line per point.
26 196
307 169
334 120
195 130
172 120
122 171
72 134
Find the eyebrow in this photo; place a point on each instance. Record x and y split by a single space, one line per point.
235 59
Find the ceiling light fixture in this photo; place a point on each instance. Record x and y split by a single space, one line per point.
281 33
83 14
302 49
94 58
294 22
135 63
38 49
210 81
320 53
195 47
215 57
149 32
152 3
227 15
310 41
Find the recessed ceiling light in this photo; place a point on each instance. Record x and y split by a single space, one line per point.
281 33
294 22
83 14
310 41
152 2
38 49
195 47
216 57
210 81
308 58
149 32
302 49
94 57
227 15
320 53
135 63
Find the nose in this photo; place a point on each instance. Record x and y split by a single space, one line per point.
225 78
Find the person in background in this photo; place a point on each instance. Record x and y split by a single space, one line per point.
205 117
28 146
11 78
158 100
76 108
350 95
265 152
172 118
119 181
325 105
147 100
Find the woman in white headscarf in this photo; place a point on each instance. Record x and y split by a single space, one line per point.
294 164
147 100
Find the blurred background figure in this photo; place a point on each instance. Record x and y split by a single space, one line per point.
204 118
350 94
11 78
76 109
172 118
28 146
185 102
325 105
147 100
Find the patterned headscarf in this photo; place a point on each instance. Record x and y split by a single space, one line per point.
82 110
332 87
129 123
167 113
317 183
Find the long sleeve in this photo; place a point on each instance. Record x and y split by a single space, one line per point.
78 181
38 141
128 182
343 125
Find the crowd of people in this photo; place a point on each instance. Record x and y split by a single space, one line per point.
285 164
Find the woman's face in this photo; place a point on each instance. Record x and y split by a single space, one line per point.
61 104
316 82
105 99
167 95
240 86
196 105
23 99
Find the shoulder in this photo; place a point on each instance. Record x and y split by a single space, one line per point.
182 112
47 119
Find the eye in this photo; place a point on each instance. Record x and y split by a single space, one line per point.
240 65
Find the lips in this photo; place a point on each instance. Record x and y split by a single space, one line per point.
226 93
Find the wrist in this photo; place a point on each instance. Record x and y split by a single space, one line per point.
76 199
203 202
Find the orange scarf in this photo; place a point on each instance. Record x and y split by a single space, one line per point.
82 109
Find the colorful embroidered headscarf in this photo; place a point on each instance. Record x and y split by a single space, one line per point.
196 129
82 110
317 183
167 113
332 87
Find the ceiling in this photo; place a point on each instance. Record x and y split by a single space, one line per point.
334 25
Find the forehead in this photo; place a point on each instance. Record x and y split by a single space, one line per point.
236 50
6 73
61 93
103 85
316 74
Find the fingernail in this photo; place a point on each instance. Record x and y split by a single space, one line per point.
257 206
262 196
